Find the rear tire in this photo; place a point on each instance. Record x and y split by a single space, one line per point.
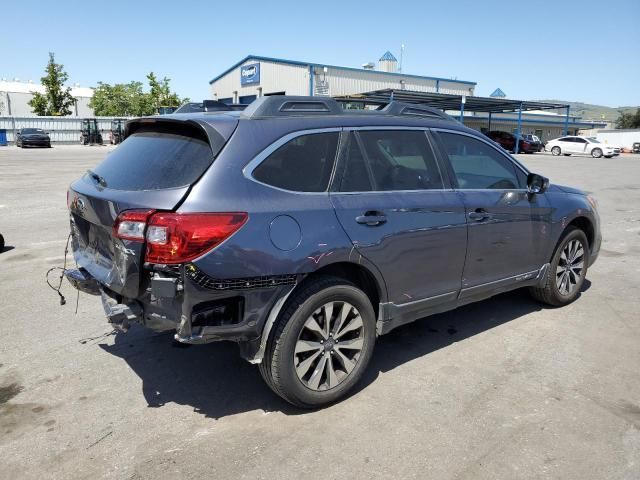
555 151
567 270
596 152
305 362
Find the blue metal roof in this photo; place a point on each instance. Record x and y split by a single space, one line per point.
312 64
388 56
498 93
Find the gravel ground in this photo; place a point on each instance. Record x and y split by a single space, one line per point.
500 389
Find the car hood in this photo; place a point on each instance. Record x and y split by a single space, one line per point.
565 189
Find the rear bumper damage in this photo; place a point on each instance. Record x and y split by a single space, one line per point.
200 309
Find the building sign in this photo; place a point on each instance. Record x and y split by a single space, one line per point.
250 74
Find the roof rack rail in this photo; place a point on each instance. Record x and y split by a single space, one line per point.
415 110
286 106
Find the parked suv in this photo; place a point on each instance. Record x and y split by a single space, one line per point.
303 231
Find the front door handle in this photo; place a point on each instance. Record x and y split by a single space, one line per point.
479 214
372 218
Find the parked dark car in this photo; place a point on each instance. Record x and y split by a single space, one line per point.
535 142
32 137
508 142
303 231
636 147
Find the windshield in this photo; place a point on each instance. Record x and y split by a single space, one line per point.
32 130
593 140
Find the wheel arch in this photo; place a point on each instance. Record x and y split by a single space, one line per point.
584 224
356 273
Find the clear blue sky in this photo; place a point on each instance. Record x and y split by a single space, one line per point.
578 51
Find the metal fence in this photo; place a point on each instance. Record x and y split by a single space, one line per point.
60 129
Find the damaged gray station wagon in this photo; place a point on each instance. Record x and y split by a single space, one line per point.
303 231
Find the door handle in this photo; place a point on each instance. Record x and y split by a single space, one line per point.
480 214
372 218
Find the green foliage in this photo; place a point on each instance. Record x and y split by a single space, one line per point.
129 100
628 120
121 100
57 99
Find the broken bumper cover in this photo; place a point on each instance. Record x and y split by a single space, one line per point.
198 311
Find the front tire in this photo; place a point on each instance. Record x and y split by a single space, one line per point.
555 151
596 152
321 343
567 270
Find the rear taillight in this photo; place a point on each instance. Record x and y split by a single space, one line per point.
180 237
131 224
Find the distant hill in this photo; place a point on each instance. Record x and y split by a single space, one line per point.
594 112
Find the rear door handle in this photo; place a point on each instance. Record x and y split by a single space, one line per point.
372 218
480 214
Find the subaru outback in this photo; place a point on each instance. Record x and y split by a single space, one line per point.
303 231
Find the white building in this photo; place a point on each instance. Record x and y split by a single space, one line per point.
15 97
255 76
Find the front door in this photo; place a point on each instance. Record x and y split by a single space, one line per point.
392 201
507 226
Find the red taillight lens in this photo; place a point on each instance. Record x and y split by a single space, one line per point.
180 237
131 224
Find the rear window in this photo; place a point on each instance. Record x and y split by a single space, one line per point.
154 161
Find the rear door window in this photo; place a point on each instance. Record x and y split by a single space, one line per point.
400 160
304 164
154 160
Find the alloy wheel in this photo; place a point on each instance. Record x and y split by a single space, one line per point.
329 345
570 267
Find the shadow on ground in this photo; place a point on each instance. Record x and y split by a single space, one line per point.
216 382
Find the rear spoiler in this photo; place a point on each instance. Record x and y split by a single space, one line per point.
194 127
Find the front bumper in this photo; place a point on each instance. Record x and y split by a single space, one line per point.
35 143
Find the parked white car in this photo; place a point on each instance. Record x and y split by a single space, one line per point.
573 145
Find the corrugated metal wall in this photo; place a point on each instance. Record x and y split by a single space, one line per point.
294 80
61 129
17 104
274 77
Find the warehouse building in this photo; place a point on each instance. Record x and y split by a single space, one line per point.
255 76
15 96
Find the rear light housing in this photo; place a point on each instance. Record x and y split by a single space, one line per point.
181 237
131 224
174 238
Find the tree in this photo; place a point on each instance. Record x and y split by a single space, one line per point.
161 93
128 99
57 99
628 120
121 100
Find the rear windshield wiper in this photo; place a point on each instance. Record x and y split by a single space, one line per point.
99 179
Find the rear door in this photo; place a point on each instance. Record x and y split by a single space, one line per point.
153 169
580 145
400 213
508 229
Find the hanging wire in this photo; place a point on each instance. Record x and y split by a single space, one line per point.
57 288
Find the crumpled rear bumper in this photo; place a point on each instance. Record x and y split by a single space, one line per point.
199 311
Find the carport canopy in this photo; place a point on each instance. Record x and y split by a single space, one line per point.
459 103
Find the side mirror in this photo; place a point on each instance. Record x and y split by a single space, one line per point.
537 183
